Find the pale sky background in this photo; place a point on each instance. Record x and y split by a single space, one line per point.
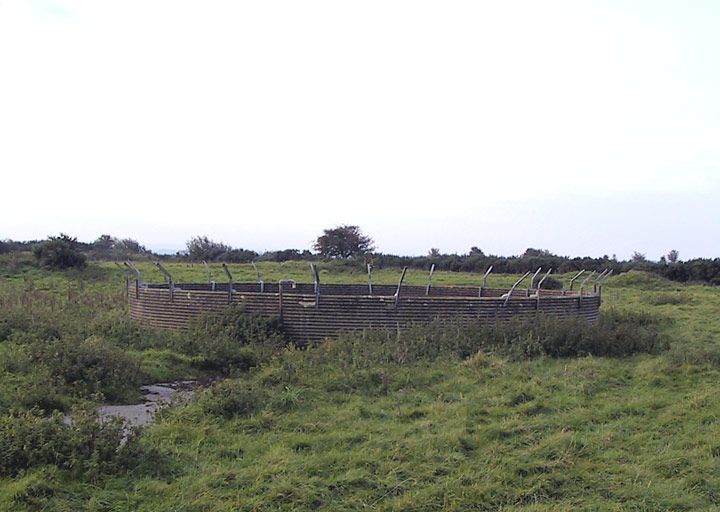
584 128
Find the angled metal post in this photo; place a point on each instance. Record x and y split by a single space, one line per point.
171 283
509 294
484 283
580 292
257 273
572 281
316 277
598 278
369 272
427 290
129 264
127 276
230 282
539 285
397 292
532 280
601 282
138 277
208 271
543 279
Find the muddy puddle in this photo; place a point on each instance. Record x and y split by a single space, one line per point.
155 396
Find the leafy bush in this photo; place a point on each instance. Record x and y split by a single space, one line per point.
119 329
60 252
218 339
615 334
222 354
87 447
91 365
231 397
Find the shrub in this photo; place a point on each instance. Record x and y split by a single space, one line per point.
239 326
120 330
222 354
91 365
60 252
87 447
615 334
232 397
233 339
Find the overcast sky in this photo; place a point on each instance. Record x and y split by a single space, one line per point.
584 128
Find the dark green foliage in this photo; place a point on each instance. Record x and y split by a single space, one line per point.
233 339
119 329
343 242
201 248
238 325
616 334
88 448
108 247
222 354
232 397
552 283
90 366
60 252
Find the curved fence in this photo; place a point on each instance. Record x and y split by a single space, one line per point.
311 312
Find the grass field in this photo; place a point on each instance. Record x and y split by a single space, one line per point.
352 425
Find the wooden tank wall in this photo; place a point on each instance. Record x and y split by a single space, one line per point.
349 307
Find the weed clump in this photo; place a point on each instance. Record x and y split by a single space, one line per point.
87 448
233 340
89 366
232 397
616 334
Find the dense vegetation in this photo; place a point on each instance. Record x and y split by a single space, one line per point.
536 416
350 244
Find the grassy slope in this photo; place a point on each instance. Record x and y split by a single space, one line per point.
639 433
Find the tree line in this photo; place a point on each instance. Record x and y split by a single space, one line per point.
350 245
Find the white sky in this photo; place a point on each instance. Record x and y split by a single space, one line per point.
584 128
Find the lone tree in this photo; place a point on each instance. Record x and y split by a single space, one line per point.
202 248
343 242
60 252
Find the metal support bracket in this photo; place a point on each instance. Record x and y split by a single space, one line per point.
171 283
572 281
509 294
127 276
598 278
257 273
316 277
427 290
397 292
369 272
230 282
539 286
532 280
484 283
207 267
138 277
582 285
543 279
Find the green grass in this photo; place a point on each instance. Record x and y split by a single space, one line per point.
337 427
